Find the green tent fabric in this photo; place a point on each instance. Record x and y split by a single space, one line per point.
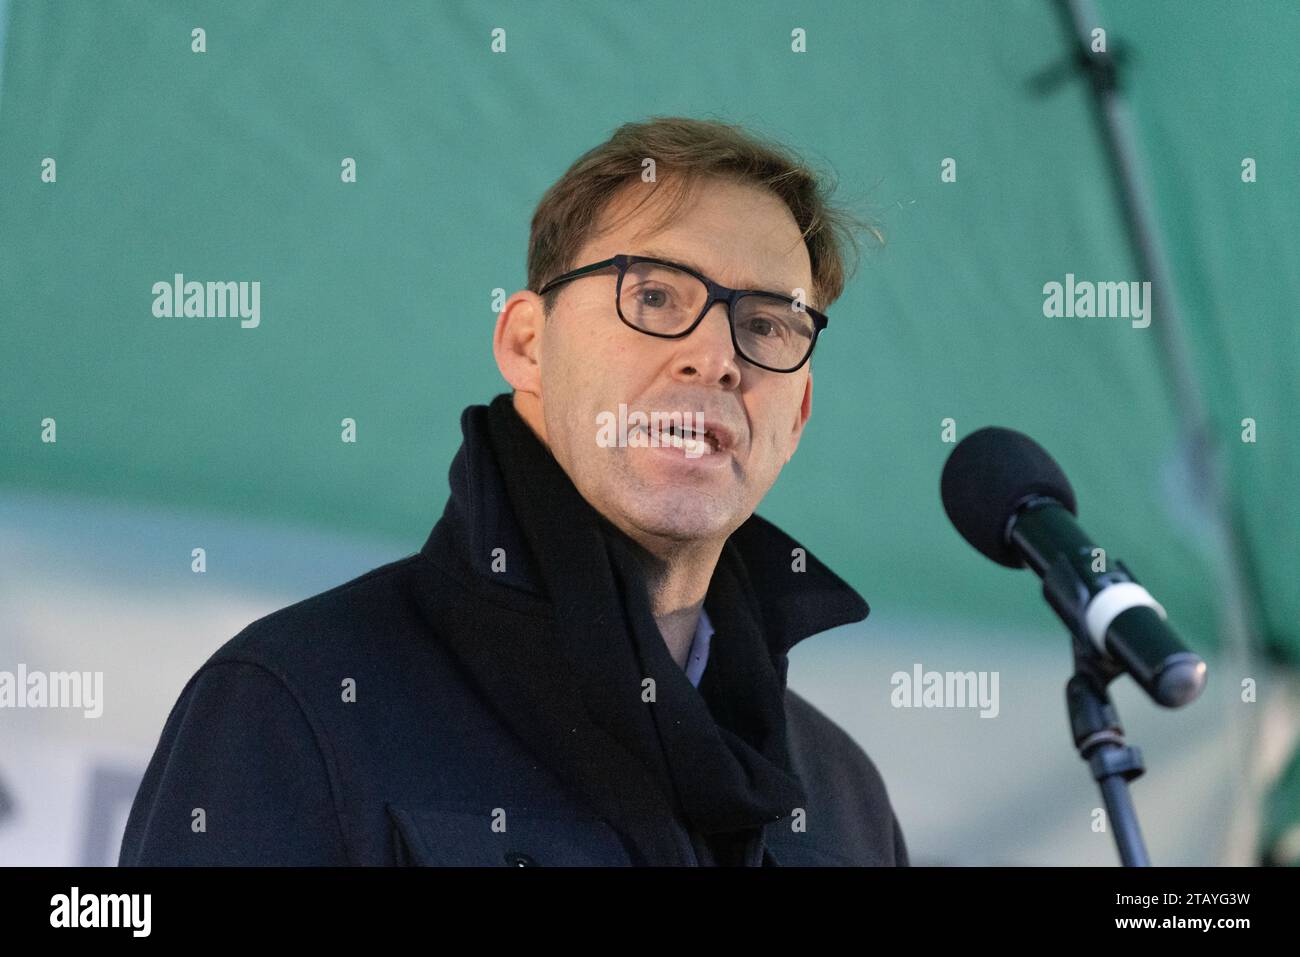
377 296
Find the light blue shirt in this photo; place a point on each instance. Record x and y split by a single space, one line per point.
698 656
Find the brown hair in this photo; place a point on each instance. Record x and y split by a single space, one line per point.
685 151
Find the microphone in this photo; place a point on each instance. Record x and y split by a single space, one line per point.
1010 500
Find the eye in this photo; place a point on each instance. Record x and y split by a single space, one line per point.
652 296
767 327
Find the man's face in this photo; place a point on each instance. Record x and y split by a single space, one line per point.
590 362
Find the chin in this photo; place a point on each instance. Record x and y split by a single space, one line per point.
679 514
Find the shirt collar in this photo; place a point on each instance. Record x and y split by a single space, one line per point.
698 656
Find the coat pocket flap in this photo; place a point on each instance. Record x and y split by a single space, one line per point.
434 836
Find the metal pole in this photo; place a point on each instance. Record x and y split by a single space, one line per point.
1240 609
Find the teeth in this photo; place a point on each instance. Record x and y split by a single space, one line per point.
692 443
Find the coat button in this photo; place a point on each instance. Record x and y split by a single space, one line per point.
518 859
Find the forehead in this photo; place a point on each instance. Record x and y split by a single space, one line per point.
736 234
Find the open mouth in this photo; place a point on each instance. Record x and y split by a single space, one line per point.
693 442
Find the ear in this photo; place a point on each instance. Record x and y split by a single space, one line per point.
517 342
805 411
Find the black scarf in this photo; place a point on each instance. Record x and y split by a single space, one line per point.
713 757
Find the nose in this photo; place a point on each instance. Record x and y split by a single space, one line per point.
707 355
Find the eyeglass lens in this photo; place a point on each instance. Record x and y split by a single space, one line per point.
664 301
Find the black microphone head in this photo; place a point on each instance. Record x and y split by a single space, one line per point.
988 474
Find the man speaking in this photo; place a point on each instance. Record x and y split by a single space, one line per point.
586 662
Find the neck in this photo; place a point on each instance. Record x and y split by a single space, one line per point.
677 574
676 582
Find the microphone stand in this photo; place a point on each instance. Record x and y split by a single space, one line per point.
1094 724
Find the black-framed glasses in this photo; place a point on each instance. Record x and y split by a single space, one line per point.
668 300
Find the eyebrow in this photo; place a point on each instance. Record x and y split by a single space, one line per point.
659 254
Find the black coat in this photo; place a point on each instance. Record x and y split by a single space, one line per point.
375 723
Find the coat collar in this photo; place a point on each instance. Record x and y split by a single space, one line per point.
793 604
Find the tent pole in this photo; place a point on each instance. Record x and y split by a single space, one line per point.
1241 606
